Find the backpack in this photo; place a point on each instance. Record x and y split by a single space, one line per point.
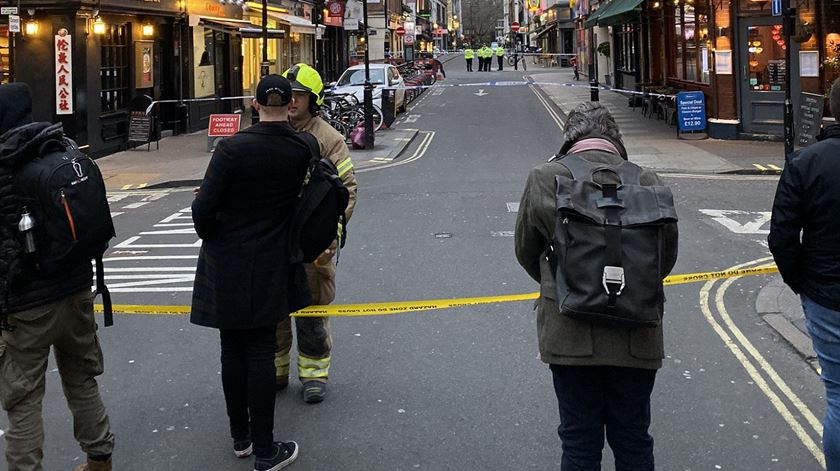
319 211
607 249
64 193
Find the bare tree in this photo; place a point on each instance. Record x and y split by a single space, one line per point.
480 20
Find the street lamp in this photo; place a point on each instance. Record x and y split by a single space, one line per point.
368 91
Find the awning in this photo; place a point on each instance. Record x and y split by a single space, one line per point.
241 27
619 12
297 24
546 29
592 19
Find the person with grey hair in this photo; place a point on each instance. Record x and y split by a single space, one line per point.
803 239
603 372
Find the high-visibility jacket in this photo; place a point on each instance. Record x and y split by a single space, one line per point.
469 53
486 52
500 51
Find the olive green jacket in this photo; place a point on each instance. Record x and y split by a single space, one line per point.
563 340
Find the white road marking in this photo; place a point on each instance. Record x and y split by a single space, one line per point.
188 230
412 118
481 92
757 219
501 234
116 213
418 154
512 207
150 257
130 244
135 205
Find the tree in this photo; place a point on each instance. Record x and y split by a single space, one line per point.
479 20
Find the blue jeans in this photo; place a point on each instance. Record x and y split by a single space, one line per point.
598 399
824 327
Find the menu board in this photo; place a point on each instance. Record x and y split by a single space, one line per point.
777 70
809 118
140 127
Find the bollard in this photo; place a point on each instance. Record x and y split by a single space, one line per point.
389 106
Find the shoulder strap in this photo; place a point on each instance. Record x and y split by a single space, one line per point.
312 144
103 290
580 168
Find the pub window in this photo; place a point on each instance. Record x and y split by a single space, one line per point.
693 47
625 48
115 72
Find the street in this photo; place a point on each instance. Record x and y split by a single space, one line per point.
460 389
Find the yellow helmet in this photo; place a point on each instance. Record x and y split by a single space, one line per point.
304 78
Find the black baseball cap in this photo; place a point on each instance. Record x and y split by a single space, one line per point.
274 85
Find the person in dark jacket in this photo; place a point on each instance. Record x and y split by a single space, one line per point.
804 241
603 374
244 284
44 311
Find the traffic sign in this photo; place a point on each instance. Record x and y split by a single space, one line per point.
400 31
8 10
514 26
776 7
14 24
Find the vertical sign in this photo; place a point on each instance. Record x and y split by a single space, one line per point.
809 120
691 111
63 72
776 7
14 24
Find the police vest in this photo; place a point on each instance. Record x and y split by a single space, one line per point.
500 51
469 54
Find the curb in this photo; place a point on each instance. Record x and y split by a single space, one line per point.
767 305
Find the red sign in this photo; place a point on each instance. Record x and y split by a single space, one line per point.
336 9
223 125
400 31
514 26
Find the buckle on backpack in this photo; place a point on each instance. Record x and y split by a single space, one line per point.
613 280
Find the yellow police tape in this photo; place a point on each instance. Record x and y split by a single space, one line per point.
399 307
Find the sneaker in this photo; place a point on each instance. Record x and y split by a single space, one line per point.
243 448
314 391
284 454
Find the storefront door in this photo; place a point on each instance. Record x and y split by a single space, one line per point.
762 75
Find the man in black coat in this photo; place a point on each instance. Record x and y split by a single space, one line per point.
244 284
804 240
44 311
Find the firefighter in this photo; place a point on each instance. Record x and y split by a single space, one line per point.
314 338
469 54
500 55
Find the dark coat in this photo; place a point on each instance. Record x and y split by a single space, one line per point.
22 285
808 201
563 340
243 279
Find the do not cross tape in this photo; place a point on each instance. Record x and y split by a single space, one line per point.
401 307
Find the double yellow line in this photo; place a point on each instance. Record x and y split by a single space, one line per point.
400 307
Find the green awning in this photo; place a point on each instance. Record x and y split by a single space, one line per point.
619 12
592 19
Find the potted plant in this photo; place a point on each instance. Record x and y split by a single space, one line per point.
604 50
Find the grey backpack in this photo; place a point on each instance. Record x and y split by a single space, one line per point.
607 248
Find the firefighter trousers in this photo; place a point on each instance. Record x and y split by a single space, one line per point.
314 339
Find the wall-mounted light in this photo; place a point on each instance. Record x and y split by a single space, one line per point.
98 26
148 30
31 27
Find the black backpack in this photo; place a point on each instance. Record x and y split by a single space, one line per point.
608 241
319 210
64 192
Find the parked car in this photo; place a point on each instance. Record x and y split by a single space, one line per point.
381 76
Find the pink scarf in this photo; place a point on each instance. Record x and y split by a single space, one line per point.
593 143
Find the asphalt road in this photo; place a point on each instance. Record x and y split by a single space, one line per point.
462 388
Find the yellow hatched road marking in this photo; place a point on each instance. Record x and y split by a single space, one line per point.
774 167
400 307
760 167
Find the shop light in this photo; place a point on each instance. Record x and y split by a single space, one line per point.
656 5
31 27
148 30
98 26
258 6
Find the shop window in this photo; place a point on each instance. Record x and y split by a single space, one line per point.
625 48
204 74
5 54
114 71
692 52
831 59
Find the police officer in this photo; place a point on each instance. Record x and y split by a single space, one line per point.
500 55
314 338
469 54
482 58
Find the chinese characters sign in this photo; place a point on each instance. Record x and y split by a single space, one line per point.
63 73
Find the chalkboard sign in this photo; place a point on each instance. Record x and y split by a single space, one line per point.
140 127
809 118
